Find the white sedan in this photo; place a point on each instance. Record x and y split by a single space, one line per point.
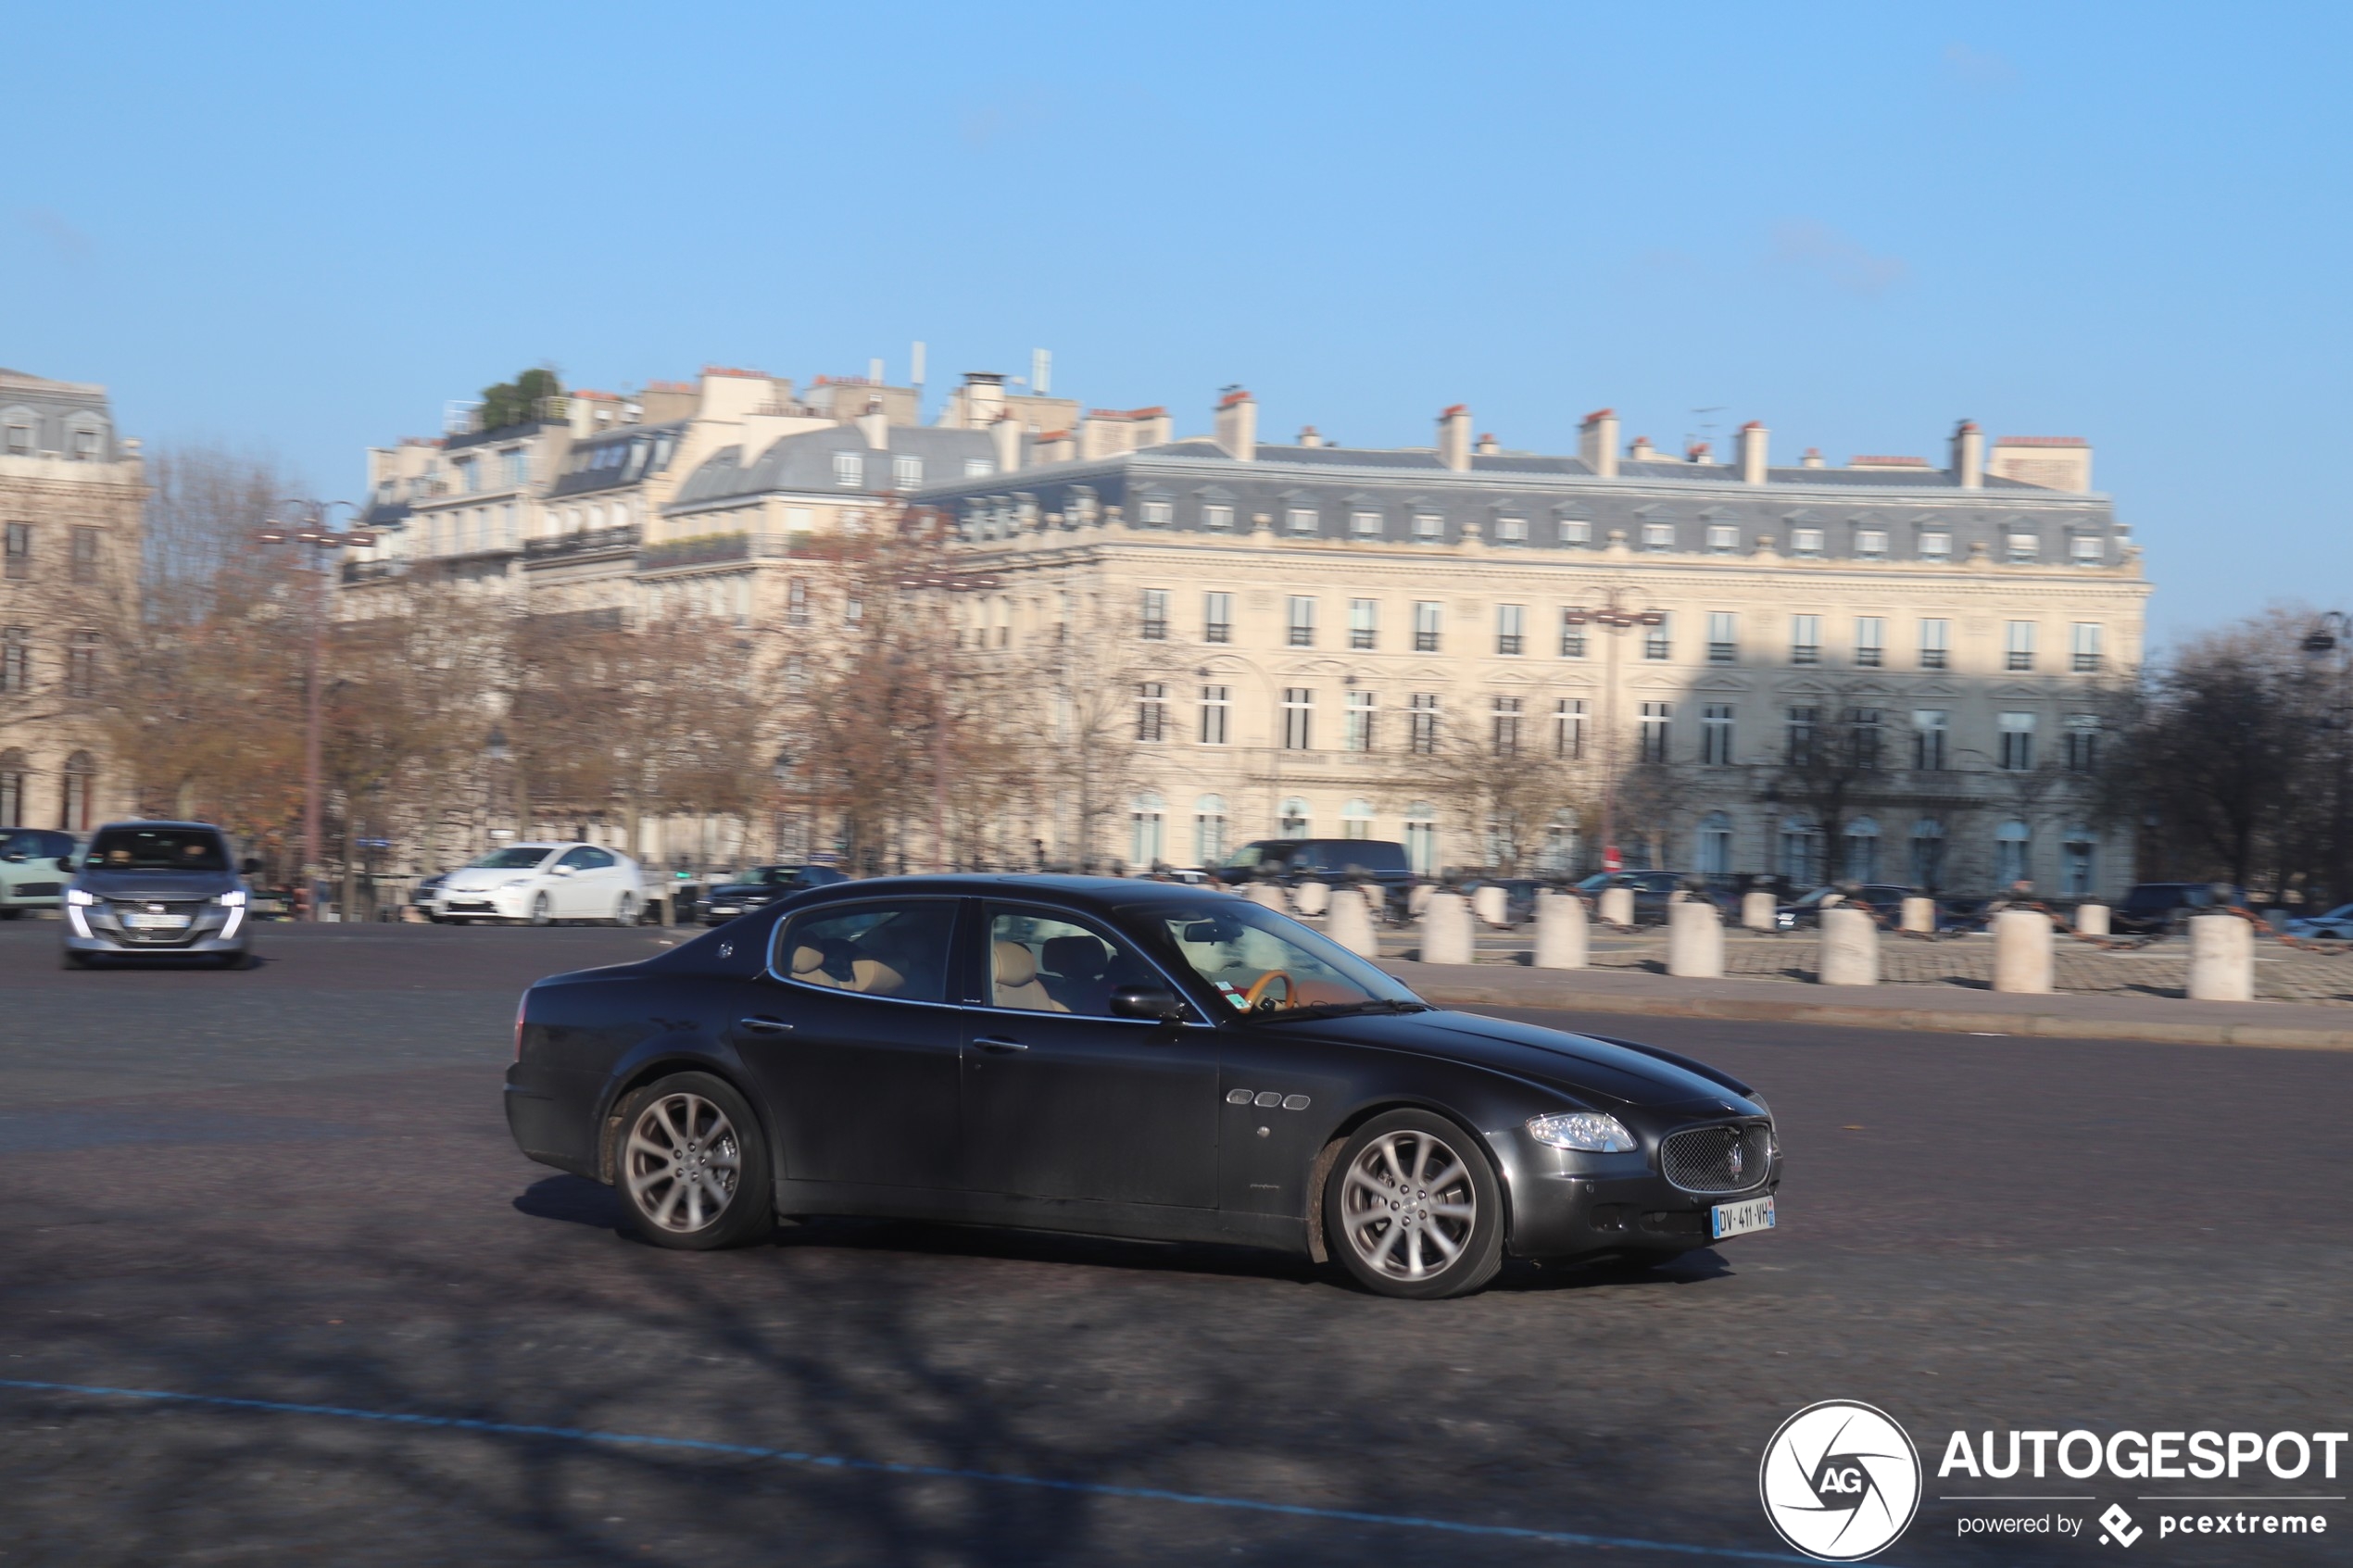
541 882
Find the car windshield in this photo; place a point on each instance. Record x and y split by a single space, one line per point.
158 849
1267 964
769 876
1814 897
2343 912
514 858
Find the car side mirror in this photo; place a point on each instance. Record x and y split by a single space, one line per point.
248 866
1147 1001
65 862
559 871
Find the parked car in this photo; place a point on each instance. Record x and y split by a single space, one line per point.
1117 1058
151 890
427 895
1882 896
2334 927
540 884
2152 907
1520 894
1653 891
36 864
1337 862
760 886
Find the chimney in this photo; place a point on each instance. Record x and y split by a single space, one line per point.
874 425
1489 446
1238 425
1597 441
1005 432
1642 451
1753 453
1813 459
1455 438
1968 456
1310 437
982 398
1153 428
1696 452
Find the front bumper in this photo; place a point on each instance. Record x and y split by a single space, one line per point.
496 903
98 929
1566 1205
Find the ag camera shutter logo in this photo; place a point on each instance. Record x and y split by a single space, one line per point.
1839 1481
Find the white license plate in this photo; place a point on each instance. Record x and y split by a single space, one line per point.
142 921
1739 1219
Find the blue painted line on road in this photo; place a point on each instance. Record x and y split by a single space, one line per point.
888 1467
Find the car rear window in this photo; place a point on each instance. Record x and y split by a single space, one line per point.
158 849
1373 855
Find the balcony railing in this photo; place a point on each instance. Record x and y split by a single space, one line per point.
709 549
586 542
371 571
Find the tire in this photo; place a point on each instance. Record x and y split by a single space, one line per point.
1387 1246
539 909
665 1133
626 912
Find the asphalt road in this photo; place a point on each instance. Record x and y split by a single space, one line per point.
293 1185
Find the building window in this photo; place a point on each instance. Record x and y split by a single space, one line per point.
1428 528
849 469
1365 525
1427 615
2023 547
1723 637
1504 726
1303 519
1716 735
1572 634
1216 704
1147 818
1870 544
81 784
1361 709
1871 642
1364 622
2084 743
1511 634
1217 517
16 659
2018 742
1421 838
1657 638
1298 715
2013 854
19 551
796 602
1294 821
2019 647
1805 639
82 665
19 441
1927 740
1357 819
1218 618
1209 830
1511 531
1863 738
1801 852
518 467
1421 721
1723 538
1659 537
1798 736
12 772
2085 641
1935 643
86 555
466 484
1805 542
1569 729
1715 844
1575 531
1300 622
1936 545
1656 718
2087 550
2078 863
1862 851
1928 854
907 473
1152 711
1155 625
1154 513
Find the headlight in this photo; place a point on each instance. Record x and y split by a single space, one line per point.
1586 1130
234 899
80 899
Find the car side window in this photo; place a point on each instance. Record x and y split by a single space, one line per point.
897 949
1044 962
593 858
578 858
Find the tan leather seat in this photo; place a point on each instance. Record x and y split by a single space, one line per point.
1017 979
808 966
874 978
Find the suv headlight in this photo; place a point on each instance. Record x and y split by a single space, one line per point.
1588 1131
78 898
235 898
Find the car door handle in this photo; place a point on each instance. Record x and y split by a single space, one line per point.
993 1044
764 1026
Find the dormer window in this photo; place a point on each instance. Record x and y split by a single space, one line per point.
1155 512
1723 538
86 445
1428 527
1575 531
1805 541
907 473
1511 531
1936 545
849 469
2085 549
1217 516
20 443
979 468
2023 547
1870 543
1658 536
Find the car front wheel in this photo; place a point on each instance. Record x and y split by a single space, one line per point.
539 909
692 1166
1412 1209
626 912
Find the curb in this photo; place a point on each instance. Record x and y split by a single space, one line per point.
1930 1021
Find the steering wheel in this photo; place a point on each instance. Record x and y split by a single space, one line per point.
1254 998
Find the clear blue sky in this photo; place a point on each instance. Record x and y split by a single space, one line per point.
305 227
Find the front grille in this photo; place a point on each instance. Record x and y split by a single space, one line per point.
1733 1158
175 938
40 889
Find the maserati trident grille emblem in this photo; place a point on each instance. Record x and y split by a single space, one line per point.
1737 1159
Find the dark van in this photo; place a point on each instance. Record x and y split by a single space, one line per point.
1335 861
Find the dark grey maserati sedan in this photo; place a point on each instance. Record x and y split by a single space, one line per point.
1123 1058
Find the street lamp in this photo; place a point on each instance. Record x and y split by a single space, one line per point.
1613 618
309 530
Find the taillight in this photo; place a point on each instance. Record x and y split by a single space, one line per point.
523 1005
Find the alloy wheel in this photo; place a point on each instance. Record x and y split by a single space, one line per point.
1408 1206
682 1162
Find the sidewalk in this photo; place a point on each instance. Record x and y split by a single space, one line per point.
1944 1010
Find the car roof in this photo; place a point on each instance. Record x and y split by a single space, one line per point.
1093 892
142 824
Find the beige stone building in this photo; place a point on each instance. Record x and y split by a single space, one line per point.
1319 637
72 490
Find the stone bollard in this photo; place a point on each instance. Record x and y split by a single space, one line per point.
1920 914
1446 930
2092 918
1756 911
1350 923
1492 904
1617 905
2221 958
1417 898
1268 894
1313 897
1694 940
1560 931
2023 952
1850 949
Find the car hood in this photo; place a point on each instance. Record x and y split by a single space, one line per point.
155 884
749 890
1583 1065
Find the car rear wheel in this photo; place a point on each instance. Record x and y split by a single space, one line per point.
1412 1209
626 912
539 909
692 1166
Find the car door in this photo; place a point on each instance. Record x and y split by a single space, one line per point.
1063 1100
856 1044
